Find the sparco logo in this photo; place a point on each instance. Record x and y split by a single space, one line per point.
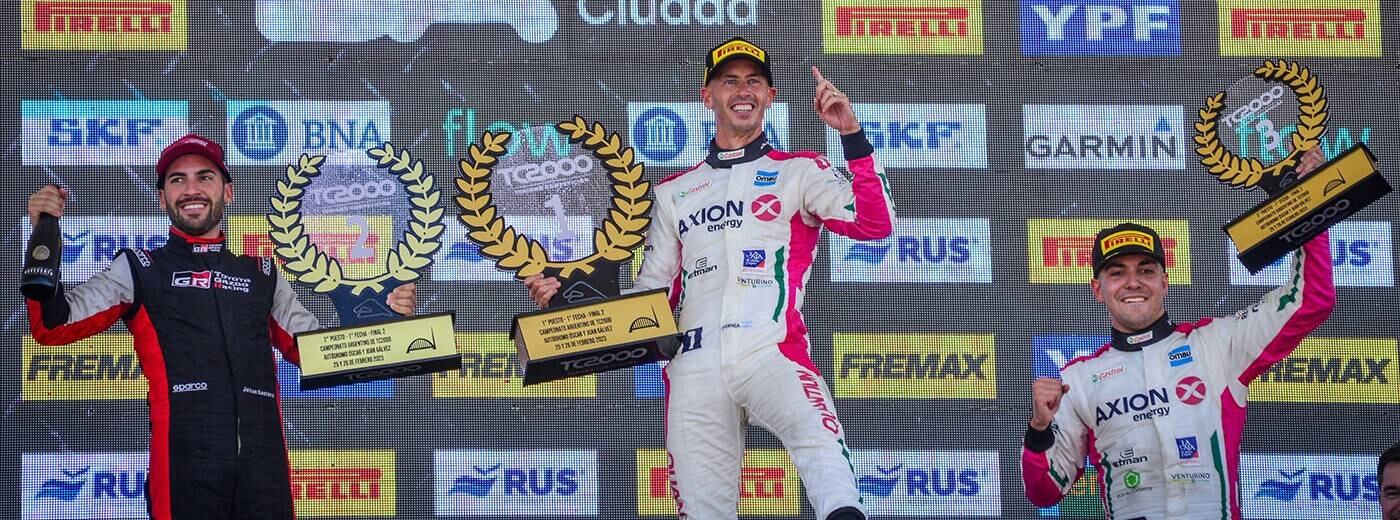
386 372
353 192
1301 229
611 357
188 387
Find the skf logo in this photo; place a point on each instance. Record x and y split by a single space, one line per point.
1137 137
343 483
277 132
919 251
1362 256
99 133
103 367
491 368
1061 250
515 483
921 366
83 485
921 136
912 483
902 27
677 135
1299 486
1350 28
1333 370
76 25
768 484
1100 28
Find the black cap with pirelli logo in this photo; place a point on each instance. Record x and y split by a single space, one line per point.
1124 239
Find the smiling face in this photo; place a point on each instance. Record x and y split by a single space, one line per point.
1134 289
1390 491
195 195
739 95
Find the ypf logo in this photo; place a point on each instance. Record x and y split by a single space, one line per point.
766 207
1190 390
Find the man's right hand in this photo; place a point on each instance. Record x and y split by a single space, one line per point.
49 199
542 289
1046 394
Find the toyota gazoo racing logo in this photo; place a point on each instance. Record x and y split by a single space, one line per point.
600 360
534 21
193 279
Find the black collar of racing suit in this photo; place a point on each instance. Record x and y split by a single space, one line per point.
186 243
721 158
1135 341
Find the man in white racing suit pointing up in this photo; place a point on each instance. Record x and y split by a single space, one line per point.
734 238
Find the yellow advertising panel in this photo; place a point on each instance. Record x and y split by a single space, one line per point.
768 484
343 483
918 366
361 246
491 368
89 25
1061 250
949 27
1272 28
1333 370
103 366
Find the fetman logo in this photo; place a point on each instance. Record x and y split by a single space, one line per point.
1110 137
920 136
917 366
89 243
1061 250
920 250
951 27
1342 28
1308 486
87 25
1333 370
101 367
99 133
344 483
1050 353
276 133
491 368
912 483
1100 27
515 483
1362 256
677 135
460 260
768 484
84 485
361 244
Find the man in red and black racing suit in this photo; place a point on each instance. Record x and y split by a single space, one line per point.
201 320
734 239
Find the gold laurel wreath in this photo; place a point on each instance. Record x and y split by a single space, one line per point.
621 230
308 264
1240 172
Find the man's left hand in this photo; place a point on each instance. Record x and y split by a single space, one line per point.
404 299
833 107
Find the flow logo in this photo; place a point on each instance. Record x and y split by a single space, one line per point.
277 132
350 21
1100 28
919 250
920 135
677 135
99 133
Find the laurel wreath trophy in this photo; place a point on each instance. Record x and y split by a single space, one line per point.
333 226
588 327
1234 144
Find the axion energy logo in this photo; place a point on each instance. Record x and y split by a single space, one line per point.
1333 370
913 483
1100 28
99 132
101 367
952 27
491 368
919 250
1123 137
1342 28
88 25
343 483
1061 250
914 366
768 485
1362 256
534 483
63 486
920 136
1308 486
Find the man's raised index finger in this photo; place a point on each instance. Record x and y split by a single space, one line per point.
817 73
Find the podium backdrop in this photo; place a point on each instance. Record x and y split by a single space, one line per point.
1011 131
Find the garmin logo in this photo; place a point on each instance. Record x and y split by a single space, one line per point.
1301 230
189 387
603 359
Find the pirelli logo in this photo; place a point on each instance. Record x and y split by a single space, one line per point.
1333 370
768 485
919 366
1300 28
1062 250
102 367
491 368
97 25
1124 239
952 27
343 483
739 47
